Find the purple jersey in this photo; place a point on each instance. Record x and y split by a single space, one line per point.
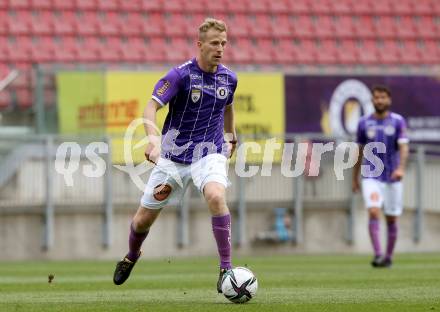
197 99
391 131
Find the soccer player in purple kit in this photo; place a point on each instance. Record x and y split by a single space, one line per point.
193 145
385 190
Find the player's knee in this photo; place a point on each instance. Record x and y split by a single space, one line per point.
215 199
374 213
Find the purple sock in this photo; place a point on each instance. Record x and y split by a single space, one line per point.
221 227
373 227
392 237
135 241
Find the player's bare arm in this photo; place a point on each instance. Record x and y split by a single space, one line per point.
400 170
230 128
356 170
152 151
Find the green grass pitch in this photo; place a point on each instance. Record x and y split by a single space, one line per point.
286 283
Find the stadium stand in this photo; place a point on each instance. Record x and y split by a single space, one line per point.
262 32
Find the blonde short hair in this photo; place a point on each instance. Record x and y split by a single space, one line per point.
211 23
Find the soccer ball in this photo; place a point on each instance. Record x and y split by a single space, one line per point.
239 285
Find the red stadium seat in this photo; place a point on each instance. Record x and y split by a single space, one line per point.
430 52
87 24
64 23
435 7
43 50
389 52
426 28
320 6
110 51
405 28
132 50
153 25
341 7
303 27
18 22
237 7
17 52
258 7
195 6
278 7
327 52
177 51
343 27
385 27
42 23
88 49
41 4
63 5
382 7
3 23
361 7
107 5
65 54
242 51
151 6
238 26
176 25
364 27
109 24
324 27
299 7
260 26
155 50
402 7
216 7
131 25
19 4
410 53
422 8
263 51
281 26
305 52
284 52
173 6
87 5
347 52
131 6
367 52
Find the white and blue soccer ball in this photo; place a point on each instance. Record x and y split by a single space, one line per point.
239 285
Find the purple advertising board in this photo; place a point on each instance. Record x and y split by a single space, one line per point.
333 104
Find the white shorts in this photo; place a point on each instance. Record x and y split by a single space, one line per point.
380 194
211 168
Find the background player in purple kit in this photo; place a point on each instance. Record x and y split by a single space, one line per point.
385 189
200 95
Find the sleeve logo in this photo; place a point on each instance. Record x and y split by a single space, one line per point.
161 91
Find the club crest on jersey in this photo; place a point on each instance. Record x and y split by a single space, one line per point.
222 93
195 94
371 133
389 130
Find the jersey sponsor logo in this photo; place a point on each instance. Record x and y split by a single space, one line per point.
222 79
389 130
222 93
195 95
166 85
371 133
195 76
